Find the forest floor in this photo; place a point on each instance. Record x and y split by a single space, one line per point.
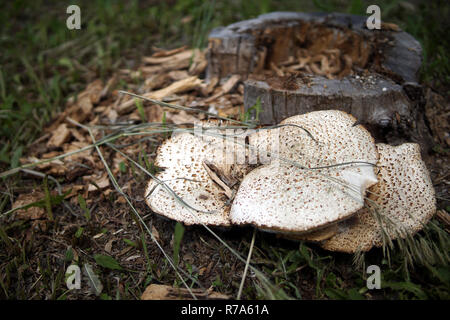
56 83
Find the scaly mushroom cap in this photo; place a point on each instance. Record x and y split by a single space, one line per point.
281 196
403 199
184 156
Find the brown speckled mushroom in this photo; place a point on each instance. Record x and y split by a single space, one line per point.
404 195
290 195
187 158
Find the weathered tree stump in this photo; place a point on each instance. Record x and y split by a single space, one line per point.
300 62
376 102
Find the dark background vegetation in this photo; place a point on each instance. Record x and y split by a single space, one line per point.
42 64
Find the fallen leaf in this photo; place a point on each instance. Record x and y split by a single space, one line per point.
107 262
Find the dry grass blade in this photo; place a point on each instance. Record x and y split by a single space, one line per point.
241 286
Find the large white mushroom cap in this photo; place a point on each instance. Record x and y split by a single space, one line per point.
289 194
401 203
186 178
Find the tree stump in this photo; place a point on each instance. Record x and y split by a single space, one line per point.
300 62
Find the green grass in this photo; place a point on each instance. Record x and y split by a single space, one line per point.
177 238
43 64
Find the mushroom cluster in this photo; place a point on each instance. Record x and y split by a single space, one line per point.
317 177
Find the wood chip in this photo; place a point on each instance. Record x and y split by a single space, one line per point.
176 87
109 86
94 91
210 86
390 26
277 70
164 53
112 115
80 137
101 183
156 234
108 245
226 87
31 213
134 257
163 292
173 59
231 83
177 75
85 105
154 113
124 251
80 156
74 190
199 63
59 136
181 117
158 80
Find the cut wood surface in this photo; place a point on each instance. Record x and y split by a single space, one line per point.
240 47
